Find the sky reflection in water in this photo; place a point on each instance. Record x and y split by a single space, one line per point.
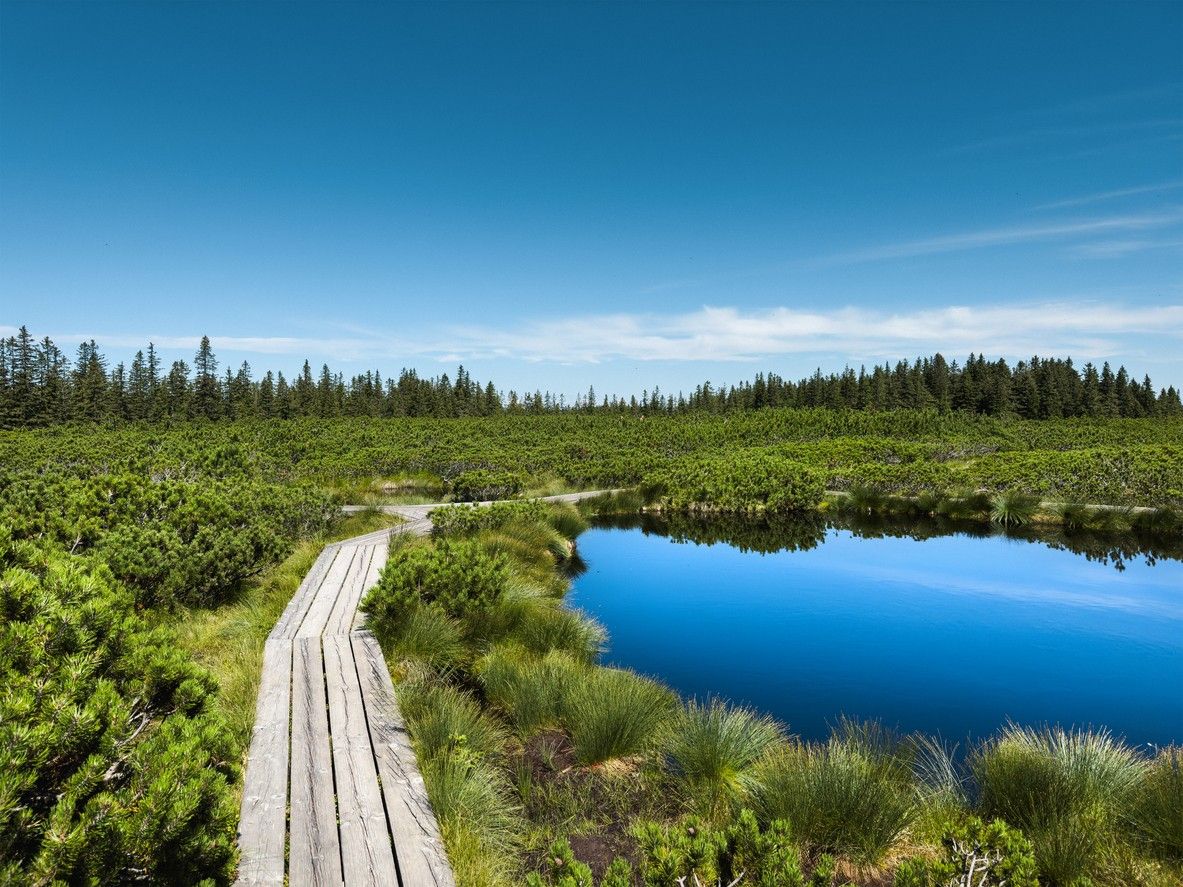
951 634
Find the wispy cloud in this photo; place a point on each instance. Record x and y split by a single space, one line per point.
1115 194
1015 234
1116 249
1086 329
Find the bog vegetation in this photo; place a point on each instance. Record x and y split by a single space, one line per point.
546 766
139 509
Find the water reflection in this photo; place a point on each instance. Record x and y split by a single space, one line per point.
804 531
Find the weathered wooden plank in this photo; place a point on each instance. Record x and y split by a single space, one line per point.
262 826
422 861
293 613
315 851
321 605
341 616
366 852
381 552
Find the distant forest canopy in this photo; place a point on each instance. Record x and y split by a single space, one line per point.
39 385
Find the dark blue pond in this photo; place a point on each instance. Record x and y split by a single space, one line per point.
951 634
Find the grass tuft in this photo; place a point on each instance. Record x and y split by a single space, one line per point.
714 748
839 797
529 690
1066 790
1157 814
615 713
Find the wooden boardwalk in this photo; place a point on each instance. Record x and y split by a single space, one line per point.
332 793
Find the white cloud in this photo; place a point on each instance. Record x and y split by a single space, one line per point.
988 237
1084 329
1116 194
729 334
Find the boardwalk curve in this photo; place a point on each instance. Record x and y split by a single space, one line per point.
332 793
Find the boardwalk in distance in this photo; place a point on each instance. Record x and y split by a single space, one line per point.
332 793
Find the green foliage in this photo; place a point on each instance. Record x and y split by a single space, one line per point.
845 796
1066 790
468 519
530 691
751 481
173 541
686 849
112 767
714 748
1013 508
1157 812
458 577
974 854
444 720
484 485
767 859
615 713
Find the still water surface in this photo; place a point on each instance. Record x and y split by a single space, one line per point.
952 634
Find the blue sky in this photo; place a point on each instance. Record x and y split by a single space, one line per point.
559 195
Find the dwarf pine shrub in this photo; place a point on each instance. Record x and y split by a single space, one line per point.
113 767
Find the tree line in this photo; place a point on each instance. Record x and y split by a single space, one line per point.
40 385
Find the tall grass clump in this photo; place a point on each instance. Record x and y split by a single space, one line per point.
1157 814
557 628
714 748
426 635
566 519
473 802
1013 508
615 713
1065 789
444 719
529 690
839 797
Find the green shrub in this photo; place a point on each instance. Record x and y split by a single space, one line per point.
685 850
1066 790
746 481
456 576
450 520
714 748
615 713
1157 813
766 859
839 797
113 767
974 854
482 485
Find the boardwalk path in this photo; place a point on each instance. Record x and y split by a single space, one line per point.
332 793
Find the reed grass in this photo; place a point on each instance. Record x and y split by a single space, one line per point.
556 628
839 797
529 690
430 636
1013 508
615 713
714 748
445 720
1157 811
1066 789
